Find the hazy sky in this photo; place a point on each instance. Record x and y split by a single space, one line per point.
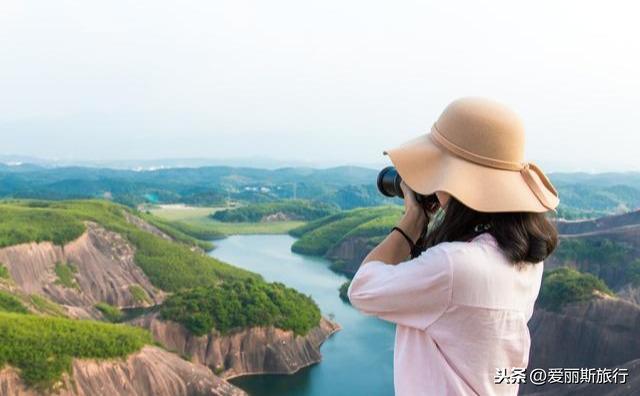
324 81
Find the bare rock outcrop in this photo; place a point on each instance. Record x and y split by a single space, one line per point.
602 332
104 265
607 224
259 350
152 371
349 253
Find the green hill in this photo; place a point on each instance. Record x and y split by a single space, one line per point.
614 260
239 304
317 237
565 285
348 187
345 186
297 209
42 348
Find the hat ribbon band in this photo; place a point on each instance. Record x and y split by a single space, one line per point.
525 169
527 173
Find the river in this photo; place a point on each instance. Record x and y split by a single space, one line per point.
358 360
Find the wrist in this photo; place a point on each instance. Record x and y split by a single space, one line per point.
413 223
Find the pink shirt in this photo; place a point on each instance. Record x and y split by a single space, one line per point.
461 310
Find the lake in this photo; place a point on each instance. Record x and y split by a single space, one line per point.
358 360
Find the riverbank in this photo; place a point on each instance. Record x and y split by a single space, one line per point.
356 360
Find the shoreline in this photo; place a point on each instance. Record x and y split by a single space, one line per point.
261 373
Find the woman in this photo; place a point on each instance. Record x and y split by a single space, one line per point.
462 305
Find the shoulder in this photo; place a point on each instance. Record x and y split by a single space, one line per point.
473 263
460 252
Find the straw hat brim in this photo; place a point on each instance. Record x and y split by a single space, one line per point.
427 168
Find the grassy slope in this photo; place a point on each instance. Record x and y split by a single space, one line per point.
44 347
319 236
560 286
170 266
16 300
183 232
11 303
26 222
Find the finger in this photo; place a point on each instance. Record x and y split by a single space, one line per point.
406 191
409 195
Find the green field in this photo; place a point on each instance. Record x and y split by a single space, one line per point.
198 220
183 212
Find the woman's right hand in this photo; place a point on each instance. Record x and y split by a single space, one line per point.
414 220
410 200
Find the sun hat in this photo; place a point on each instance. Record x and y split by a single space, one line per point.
475 152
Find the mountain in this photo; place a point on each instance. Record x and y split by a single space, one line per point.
164 163
605 179
585 195
582 195
344 186
602 332
608 247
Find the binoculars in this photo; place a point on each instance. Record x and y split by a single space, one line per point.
389 185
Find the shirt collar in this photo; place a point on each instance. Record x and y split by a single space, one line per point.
485 237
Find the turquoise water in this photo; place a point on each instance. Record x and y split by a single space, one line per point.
358 360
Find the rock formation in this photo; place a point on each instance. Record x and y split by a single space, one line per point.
349 253
152 371
259 350
105 267
599 333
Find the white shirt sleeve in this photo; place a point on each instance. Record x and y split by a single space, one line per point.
413 293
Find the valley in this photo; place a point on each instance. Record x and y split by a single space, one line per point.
204 296
99 259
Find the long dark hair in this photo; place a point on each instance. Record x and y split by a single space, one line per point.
524 237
